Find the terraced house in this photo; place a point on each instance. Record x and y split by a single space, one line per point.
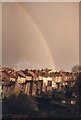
33 82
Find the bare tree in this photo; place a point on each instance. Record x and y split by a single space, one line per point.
76 68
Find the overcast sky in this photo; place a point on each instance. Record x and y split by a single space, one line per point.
39 35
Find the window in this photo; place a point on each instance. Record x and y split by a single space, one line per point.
49 83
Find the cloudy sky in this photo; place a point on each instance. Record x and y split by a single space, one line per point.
39 35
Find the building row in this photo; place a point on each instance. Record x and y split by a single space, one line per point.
33 82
